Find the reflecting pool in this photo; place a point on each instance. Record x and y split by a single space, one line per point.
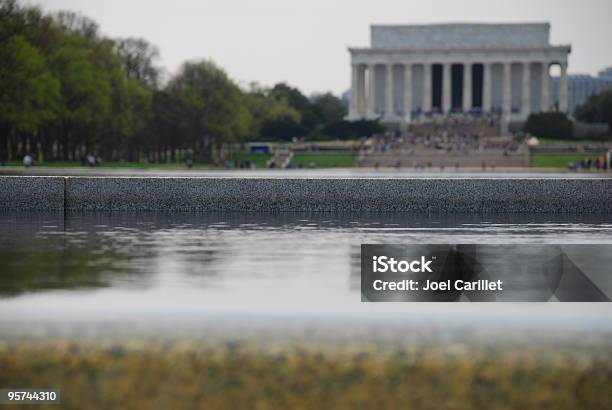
150 268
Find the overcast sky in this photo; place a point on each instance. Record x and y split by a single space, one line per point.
305 42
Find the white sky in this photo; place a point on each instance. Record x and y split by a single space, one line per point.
305 42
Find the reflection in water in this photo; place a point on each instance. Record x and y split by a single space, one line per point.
151 264
64 267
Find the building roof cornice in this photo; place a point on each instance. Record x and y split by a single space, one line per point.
369 50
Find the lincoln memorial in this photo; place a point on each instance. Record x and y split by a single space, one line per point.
412 72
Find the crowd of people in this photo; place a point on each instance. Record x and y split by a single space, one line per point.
446 140
461 119
598 163
455 132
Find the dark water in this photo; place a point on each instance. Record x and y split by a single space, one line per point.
123 268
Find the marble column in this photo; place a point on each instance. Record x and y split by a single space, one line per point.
353 102
467 87
545 88
506 90
407 92
486 87
389 111
426 87
526 90
563 88
361 91
446 87
371 100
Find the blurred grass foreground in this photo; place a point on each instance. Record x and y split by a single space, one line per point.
188 375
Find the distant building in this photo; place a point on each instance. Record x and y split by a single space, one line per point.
606 73
345 98
411 70
582 86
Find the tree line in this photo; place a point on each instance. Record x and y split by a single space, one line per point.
67 91
556 125
597 109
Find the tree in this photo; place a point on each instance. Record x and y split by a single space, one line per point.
270 115
131 103
63 83
138 59
15 20
549 125
29 97
75 23
30 92
86 94
169 125
353 129
292 96
67 90
283 129
309 121
598 108
215 111
329 108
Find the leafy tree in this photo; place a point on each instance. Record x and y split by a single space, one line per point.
598 108
329 108
30 92
130 108
214 108
283 129
292 96
169 126
264 106
271 114
309 121
86 93
67 90
549 125
353 129
76 23
15 20
138 59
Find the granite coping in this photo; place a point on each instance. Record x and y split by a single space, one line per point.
446 195
44 193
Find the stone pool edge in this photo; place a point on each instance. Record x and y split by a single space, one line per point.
445 195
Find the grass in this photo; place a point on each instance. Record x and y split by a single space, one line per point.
126 165
554 160
319 161
548 141
189 375
324 160
259 160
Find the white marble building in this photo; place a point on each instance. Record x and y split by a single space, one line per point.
415 69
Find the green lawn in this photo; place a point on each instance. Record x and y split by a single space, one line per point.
554 160
139 165
143 165
129 165
547 141
324 160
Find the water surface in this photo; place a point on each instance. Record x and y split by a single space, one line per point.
124 268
